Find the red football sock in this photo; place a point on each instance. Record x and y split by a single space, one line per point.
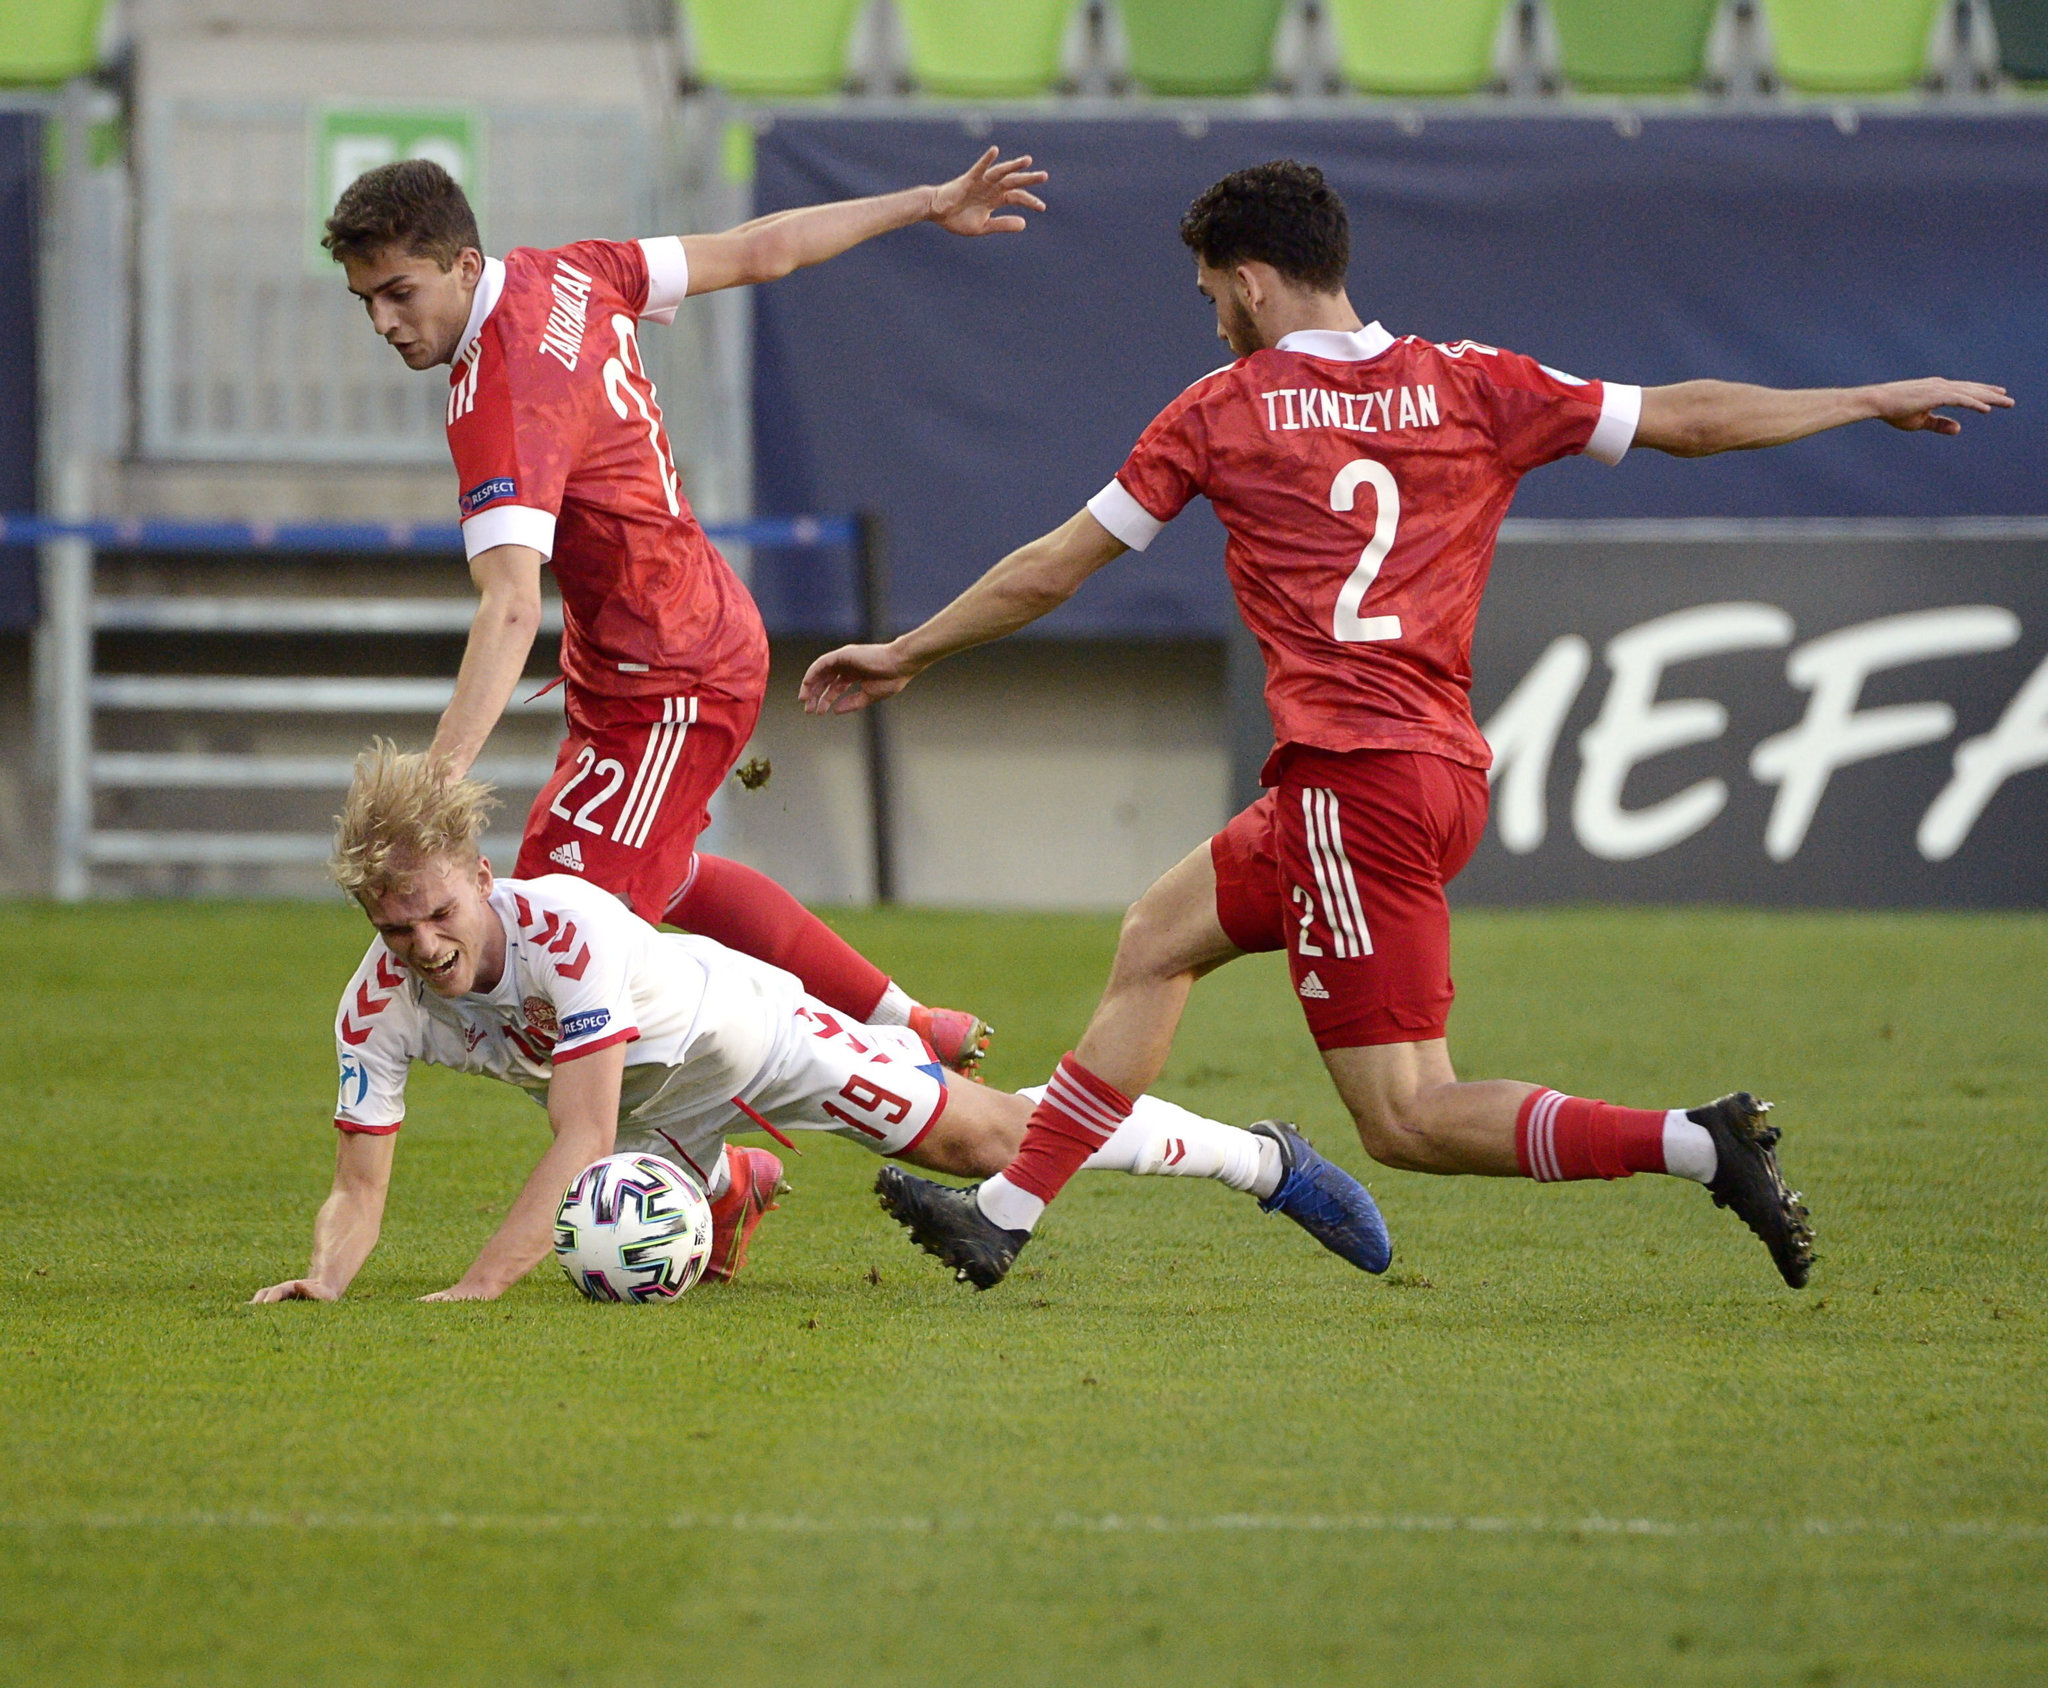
749 912
1559 1137
1079 1114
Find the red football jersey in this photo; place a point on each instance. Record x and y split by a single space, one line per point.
1362 480
559 444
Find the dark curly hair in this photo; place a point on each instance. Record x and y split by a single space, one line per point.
1283 214
414 205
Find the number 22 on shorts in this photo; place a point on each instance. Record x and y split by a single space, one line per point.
1349 627
612 772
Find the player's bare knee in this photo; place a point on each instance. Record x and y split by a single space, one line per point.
1147 945
977 1136
1393 1133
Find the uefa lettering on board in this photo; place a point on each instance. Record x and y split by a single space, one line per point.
343 141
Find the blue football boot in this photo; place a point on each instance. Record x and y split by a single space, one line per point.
1326 1201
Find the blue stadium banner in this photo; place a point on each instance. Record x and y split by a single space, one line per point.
21 163
975 393
1848 719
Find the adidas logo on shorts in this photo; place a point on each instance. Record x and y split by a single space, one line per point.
1312 987
569 855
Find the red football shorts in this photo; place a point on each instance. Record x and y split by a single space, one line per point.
1343 864
627 800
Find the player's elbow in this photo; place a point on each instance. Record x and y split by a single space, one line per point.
515 607
768 254
1038 597
1673 424
1692 419
1685 446
1042 581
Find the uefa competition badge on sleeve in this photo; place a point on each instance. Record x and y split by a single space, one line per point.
345 140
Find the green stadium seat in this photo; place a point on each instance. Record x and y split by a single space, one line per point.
1200 46
2022 38
48 40
985 48
1851 46
772 47
1633 46
1416 46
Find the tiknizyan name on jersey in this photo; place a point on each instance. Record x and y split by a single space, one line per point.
1291 409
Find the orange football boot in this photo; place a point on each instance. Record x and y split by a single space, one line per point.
756 1181
958 1038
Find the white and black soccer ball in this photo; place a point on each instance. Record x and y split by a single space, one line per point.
633 1228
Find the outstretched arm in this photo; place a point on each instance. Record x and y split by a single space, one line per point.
507 618
348 1223
583 1113
1699 418
1032 581
770 247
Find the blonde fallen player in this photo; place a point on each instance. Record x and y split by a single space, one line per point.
660 1043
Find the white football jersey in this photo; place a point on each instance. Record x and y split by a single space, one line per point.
582 972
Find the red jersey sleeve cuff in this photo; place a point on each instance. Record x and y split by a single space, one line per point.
626 1036
1124 517
1621 411
356 1128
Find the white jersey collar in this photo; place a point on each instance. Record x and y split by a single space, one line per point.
490 288
1336 344
507 992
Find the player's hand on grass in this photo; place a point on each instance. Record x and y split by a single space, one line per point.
1913 405
852 677
967 204
299 1289
464 1291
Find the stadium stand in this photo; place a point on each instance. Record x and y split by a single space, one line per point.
2022 27
49 40
1416 46
1851 46
772 47
985 48
1633 46
1214 47
978 49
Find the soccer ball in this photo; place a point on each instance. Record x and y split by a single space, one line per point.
633 1228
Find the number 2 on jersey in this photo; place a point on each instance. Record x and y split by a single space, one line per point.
618 389
1351 628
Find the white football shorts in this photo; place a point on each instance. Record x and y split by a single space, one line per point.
878 1086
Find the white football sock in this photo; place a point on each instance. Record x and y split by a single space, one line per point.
1008 1206
1161 1138
721 1177
894 1008
1688 1148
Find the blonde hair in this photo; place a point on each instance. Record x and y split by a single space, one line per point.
401 812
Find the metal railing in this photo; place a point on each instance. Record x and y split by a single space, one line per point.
76 613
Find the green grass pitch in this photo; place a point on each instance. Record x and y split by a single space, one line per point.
1577 1436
